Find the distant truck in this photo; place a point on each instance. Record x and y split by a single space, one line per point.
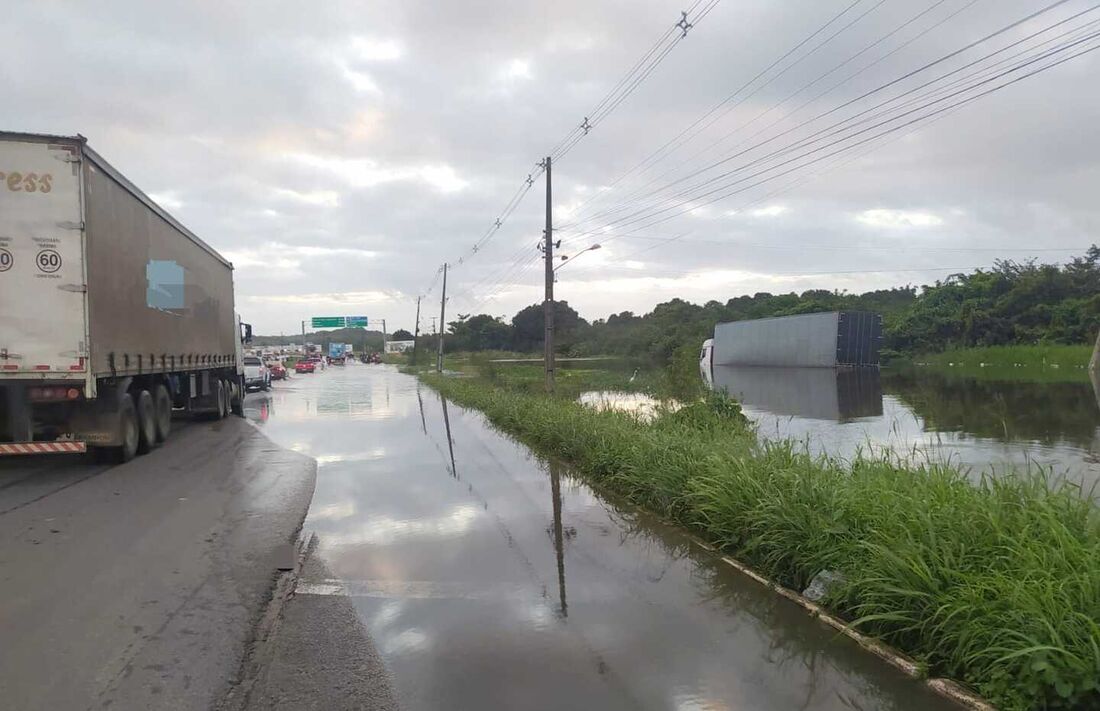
831 339
336 353
113 313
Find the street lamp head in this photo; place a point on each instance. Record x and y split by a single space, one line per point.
595 246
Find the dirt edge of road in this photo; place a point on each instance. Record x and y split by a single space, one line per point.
311 651
259 648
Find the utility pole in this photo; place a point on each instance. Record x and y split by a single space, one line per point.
416 330
548 301
433 325
383 336
442 320
303 338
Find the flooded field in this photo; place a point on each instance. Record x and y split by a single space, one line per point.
987 423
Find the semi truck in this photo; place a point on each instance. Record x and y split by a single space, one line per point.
113 316
831 339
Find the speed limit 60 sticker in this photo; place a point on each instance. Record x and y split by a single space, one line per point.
48 261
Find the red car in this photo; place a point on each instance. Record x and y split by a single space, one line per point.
303 366
278 372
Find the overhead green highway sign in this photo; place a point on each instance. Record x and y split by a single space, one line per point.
328 322
356 321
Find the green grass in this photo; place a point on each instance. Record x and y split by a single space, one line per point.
1038 356
995 584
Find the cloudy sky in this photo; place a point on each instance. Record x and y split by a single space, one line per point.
338 152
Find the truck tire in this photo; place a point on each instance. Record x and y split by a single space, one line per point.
128 430
162 406
147 421
223 404
238 398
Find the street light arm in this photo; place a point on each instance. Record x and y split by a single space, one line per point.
587 249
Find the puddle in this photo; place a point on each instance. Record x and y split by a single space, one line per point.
643 406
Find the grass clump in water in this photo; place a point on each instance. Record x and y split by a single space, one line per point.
995 584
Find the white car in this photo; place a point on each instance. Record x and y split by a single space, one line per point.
256 374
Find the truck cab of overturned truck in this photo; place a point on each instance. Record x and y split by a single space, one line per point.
706 361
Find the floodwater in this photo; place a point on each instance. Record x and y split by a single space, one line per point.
982 424
489 579
985 425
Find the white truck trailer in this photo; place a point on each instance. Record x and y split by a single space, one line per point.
832 339
113 315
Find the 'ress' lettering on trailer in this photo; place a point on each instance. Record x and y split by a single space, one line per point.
19 182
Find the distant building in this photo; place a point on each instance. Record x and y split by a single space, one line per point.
399 346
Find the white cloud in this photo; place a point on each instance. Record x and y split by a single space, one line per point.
898 219
320 198
770 211
360 81
168 200
375 50
343 298
517 69
281 256
442 178
366 173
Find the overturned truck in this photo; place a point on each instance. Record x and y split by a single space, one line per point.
833 339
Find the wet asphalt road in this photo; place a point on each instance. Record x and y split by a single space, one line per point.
139 586
485 579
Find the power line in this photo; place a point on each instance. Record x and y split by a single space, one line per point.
840 248
690 195
867 94
658 154
624 89
611 100
710 146
891 270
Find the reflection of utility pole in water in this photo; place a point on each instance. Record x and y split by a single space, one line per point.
559 544
1094 364
1094 370
1095 376
423 423
450 443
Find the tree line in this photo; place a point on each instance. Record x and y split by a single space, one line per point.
1010 303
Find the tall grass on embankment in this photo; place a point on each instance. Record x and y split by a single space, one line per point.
995 584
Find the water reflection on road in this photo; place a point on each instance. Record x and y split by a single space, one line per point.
490 580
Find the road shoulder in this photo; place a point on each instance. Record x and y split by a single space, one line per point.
141 586
318 655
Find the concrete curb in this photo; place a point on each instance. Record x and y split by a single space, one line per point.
944 687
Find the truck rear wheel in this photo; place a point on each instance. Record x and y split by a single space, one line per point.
238 398
147 421
128 430
223 400
162 407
